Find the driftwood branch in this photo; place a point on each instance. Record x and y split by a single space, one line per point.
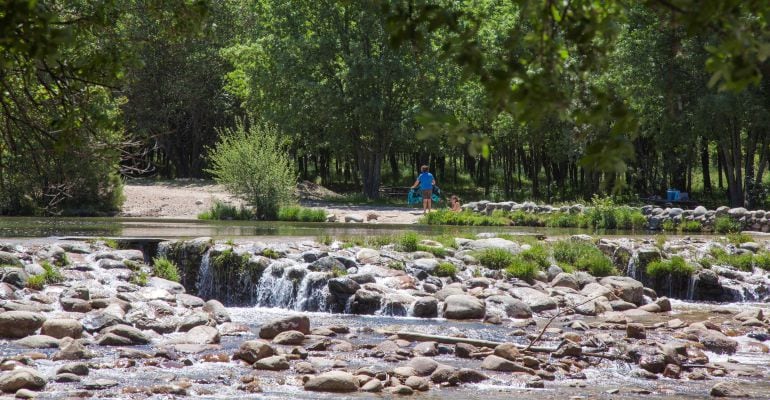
557 315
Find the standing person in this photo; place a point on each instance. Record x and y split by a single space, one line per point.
425 181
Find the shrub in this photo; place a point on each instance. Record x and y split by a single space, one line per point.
537 254
52 273
163 268
602 213
691 226
36 282
522 269
744 261
584 256
676 266
223 211
396 265
446 269
494 258
597 264
409 242
252 164
566 220
762 260
523 218
725 224
668 225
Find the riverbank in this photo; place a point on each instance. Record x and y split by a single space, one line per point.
396 315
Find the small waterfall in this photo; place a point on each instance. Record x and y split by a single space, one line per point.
313 292
276 288
631 268
205 285
692 280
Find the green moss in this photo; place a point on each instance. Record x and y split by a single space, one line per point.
228 259
163 268
139 278
446 269
676 266
436 251
494 258
269 253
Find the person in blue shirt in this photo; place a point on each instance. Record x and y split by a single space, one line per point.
425 181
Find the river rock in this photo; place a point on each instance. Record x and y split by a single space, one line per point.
62 327
495 363
189 301
417 383
289 338
134 336
217 311
272 363
635 331
366 302
368 256
464 307
374 385
508 351
72 350
727 389
197 318
99 384
481 244
38 342
626 288
332 381
535 299
252 351
10 260
343 285
15 276
513 308
298 323
170 286
423 366
565 280
18 324
425 307
21 378
78 368
199 335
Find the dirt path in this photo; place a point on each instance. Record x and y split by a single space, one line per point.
188 198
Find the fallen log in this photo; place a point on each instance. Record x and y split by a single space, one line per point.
422 337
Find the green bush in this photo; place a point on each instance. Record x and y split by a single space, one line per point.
296 213
521 268
223 211
164 268
537 254
494 258
744 262
668 225
762 260
691 226
566 220
583 256
597 264
252 163
738 238
50 275
725 224
523 218
446 269
409 242
676 266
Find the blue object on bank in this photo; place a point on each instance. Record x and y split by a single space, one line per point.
672 195
415 196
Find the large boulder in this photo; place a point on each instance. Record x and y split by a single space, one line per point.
481 244
217 311
535 299
15 276
565 280
628 289
495 363
513 308
133 335
18 324
294 323
332 381
425 307
9 260
463 307
200 335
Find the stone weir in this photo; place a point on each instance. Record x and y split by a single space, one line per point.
309 276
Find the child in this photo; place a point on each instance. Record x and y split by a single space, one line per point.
425 181
454 204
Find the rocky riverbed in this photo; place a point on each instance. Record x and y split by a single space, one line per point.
309 320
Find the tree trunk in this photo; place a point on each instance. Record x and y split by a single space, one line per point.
394 171
369 164
705 165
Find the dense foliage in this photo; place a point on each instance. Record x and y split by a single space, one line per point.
502 99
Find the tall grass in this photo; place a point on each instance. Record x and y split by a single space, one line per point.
223 211
296 213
